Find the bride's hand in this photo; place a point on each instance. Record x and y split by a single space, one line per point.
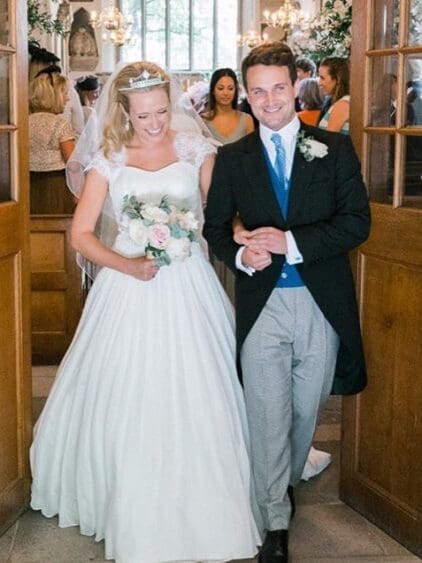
242 237
142 268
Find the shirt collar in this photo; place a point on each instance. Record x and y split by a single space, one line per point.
287 133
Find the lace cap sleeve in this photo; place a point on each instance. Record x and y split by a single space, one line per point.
193 148
106 166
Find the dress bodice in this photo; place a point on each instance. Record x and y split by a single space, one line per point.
238 133
179 181
326 118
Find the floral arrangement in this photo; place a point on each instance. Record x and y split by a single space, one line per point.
310 148
328 34
39 19
165 232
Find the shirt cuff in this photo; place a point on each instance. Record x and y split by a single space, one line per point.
293 256
246 269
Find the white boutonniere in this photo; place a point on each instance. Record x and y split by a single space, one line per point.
310 148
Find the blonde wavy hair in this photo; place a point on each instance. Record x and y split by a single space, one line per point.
118 130
46 93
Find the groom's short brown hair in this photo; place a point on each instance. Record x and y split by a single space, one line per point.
275 53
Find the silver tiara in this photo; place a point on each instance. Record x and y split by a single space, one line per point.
144 80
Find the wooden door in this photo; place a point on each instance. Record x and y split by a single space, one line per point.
15 381
382 428
56 296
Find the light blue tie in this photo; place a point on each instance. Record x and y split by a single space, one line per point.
280 160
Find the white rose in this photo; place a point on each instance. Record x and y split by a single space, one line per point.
187 221
154 213
316 148
138 232
178 248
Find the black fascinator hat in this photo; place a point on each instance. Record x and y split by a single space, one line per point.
87 83
41 55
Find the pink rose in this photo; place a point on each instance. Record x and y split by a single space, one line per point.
159 236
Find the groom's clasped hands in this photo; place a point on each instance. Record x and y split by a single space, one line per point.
260 244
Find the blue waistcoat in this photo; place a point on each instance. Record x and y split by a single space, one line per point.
289 276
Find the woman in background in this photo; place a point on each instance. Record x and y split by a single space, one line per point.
226 123
334 82
40 59
51 142
88 89
310 100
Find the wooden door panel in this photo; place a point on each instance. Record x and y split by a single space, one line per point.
56 296
382 427
14 396
9 472
15 369
381 473
47 251
391 402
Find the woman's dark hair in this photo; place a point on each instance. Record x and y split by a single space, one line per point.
88 83
309 93
216 75
338 69
275 53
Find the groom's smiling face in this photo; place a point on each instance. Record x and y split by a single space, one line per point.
271 95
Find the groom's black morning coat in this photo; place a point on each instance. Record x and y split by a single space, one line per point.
328 215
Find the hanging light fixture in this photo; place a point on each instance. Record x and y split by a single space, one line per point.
116 27
251 39
287 18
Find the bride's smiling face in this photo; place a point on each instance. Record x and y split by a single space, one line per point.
149 113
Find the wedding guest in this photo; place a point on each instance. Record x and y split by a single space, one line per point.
88 89
39 59
310 101
51 142
142 441
226 124
298 332
305 68
334 82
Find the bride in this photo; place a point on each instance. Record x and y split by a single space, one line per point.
143 439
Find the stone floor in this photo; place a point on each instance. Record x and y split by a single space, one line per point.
324 530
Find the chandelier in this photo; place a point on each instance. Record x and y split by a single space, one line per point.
251 39
287 18
116 27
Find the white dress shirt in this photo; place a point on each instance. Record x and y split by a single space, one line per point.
288 135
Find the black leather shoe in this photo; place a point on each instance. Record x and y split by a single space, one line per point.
290 492
275 548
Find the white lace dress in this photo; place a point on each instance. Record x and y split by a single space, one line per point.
142 439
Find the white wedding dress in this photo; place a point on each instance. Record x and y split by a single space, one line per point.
142 441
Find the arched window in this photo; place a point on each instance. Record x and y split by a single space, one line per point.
184 35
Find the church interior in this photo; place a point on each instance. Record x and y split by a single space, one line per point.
366 505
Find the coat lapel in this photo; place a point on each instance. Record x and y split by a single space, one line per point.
301 177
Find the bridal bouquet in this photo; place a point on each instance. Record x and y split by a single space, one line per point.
165 231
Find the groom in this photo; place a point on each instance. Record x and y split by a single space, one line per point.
299 192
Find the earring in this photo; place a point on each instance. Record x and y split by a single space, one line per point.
127 124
